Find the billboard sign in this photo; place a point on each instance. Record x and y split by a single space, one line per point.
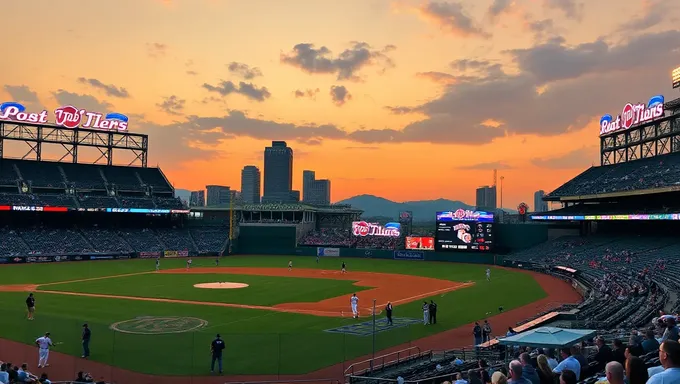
633 114
363 229
66 116
676 78
320 251
415 242
409 255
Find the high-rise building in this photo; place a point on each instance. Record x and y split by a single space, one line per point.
278 174
197 199
217 195
250 184
486 198
539 204
315 191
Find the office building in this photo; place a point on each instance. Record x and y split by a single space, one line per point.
539 204
278 174
197 199
315 191
250 184
217 195
486 198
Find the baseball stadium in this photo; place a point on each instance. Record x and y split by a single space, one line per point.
133 286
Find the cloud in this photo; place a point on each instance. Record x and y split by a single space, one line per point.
452 18
486 166
22 93
244 70
156 50
653 13
401 110
578 159
109 89
498 7
571 8
554 60
363 148
248 90
345 65
191 73
437 77
540 29
309 93
172 105
340 95
87 102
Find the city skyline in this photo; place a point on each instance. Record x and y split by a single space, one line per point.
373 104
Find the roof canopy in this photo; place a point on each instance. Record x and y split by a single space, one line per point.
548 337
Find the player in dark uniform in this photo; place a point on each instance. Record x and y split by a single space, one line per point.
388 312
343 269
216 348
30 305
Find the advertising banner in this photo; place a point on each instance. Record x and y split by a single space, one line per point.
5 260
363 229
335 252
39 259
176 253
409 255
420 243
17 260
149 255
121 257
108 257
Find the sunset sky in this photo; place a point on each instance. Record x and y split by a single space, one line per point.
407 100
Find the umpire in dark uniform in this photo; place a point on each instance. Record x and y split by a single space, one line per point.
216 348
433 312
388 312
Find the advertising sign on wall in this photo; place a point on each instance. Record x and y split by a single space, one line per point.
328 251
633 114
409 255
176 254
67 116
149 255
414 242
363 228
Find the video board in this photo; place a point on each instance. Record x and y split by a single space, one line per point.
420 243
464 230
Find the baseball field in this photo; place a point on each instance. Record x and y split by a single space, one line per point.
279 322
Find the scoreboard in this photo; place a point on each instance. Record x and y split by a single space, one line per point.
464 230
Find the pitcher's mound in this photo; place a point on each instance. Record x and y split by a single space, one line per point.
224 285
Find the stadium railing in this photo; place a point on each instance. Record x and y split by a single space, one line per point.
390 359
306 381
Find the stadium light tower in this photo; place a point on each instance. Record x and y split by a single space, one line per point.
502 178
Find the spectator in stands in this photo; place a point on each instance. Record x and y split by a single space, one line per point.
23 376
552 361
671 332
614 373
636 371
568 377
81 378
619 352
459 379
568 362
474 377
528 371
499 378
582 360
635 339
485 371
457 361
13 372
544 370
4 376
669 356
515 368
477 333
44 379
604 353
650 344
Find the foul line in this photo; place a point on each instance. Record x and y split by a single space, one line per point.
426 294
96 278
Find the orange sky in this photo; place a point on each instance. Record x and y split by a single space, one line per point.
436 94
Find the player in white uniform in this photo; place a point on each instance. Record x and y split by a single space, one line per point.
354 302
188 264
488 274
158 264
290 264
44 343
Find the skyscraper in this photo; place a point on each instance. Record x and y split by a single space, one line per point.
218 195
539 204
486 198
197 199
278 174
250 184
315 191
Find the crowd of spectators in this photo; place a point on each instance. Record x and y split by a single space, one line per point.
15 374
88 201
89 240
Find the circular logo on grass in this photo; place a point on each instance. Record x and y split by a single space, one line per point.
158 325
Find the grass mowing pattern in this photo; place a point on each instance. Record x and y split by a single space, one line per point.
258 342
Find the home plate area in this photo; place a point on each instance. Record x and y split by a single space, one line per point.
366 328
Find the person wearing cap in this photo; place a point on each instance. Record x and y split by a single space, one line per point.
44 343
216 348
86 341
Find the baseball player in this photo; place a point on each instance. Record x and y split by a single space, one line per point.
343 269
290 265
30 306
44 343
158 264
426 313
188 263
317 259
354 302
488 274
217 261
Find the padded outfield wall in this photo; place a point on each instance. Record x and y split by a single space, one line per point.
273 239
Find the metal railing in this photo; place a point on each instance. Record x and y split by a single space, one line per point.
396 357
306 381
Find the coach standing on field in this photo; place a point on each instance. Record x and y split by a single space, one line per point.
86 341
388 312
216 348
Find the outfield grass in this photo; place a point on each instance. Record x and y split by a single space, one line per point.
258 342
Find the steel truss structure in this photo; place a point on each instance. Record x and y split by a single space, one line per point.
71 139
658 137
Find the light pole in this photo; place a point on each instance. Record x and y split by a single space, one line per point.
502 178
